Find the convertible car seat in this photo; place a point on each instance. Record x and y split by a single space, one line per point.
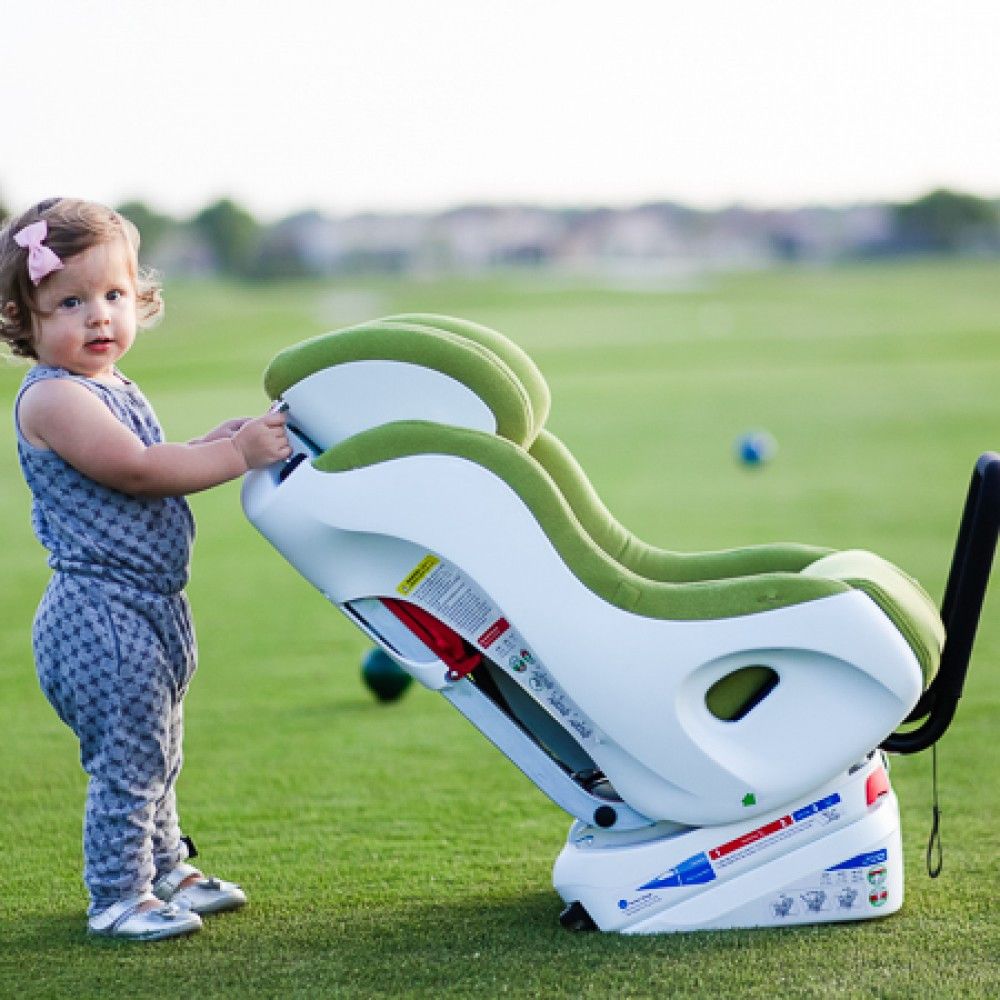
709 719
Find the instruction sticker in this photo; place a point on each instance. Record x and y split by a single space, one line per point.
417 574
845 890
453 598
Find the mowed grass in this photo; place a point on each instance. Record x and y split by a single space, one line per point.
389 850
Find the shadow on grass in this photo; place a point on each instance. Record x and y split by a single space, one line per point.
524 924
40 933
481 946
484 947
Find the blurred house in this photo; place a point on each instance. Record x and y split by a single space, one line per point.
659 240
182 253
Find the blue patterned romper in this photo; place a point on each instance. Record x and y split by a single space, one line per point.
114 646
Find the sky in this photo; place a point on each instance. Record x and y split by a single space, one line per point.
400 105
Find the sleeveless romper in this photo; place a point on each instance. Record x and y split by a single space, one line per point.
114 646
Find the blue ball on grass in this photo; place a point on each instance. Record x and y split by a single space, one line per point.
383 676
755 448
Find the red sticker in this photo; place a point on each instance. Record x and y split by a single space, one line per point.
749 838
493 633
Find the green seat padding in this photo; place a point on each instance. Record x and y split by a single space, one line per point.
732 696
462 359
618 585
646 560
903 600
507 351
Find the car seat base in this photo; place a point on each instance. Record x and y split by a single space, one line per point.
834 855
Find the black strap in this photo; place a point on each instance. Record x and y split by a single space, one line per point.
189 844
935 850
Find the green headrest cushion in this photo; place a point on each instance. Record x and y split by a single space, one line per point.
459 357
513 356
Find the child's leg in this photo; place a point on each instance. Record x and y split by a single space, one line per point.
168 848
103 663
165 643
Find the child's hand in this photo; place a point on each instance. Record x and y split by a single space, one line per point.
230 427
263 441
224 430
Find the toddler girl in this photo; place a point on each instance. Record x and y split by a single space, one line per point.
113 639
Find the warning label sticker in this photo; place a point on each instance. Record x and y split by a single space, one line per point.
447 593
417 574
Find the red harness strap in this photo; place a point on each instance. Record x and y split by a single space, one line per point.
451 648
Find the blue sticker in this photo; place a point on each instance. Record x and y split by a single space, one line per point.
814 807
696 870
862 860
830 800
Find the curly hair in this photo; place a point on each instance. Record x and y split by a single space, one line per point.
74 226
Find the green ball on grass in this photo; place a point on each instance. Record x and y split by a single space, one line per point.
383 676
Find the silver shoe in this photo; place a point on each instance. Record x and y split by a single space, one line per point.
208 895
125 920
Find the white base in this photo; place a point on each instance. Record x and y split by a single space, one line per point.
831 856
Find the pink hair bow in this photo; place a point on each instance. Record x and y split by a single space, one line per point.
41 260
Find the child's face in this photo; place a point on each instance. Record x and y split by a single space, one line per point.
88 308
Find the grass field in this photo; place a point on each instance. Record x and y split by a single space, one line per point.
389 850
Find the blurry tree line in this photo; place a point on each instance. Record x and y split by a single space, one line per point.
234 243
945 221
231 233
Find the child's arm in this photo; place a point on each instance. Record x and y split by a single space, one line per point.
70 420
225 430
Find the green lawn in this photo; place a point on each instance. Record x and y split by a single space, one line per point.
389 849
